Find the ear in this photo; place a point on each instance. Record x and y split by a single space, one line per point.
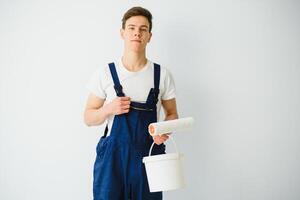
150 35
122 33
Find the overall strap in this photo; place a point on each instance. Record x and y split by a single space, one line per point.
156 82
156 76
118 87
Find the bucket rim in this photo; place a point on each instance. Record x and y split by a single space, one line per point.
162 157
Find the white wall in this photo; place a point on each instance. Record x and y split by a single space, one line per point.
236 67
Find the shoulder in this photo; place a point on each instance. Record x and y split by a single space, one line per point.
165 72
102 74
103 70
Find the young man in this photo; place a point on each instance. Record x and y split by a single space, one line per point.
128 95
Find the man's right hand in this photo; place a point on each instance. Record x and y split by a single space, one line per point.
118 106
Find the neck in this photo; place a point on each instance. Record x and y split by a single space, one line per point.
134 61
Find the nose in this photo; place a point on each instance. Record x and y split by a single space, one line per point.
137 33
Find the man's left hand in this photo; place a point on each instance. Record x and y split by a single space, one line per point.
159 139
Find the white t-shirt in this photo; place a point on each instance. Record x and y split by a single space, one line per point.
136 85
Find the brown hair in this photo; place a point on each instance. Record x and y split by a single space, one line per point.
137 11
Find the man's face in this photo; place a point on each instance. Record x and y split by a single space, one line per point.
136 33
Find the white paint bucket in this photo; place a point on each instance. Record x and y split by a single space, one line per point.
164 171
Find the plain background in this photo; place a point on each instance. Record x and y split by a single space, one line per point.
236 68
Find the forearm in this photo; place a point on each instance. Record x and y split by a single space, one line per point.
95 117
171 116
170 109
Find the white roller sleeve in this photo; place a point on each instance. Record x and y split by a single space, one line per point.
169 126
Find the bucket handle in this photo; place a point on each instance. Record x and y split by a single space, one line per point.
170 137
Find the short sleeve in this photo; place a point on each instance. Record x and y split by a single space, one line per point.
169 87
94 85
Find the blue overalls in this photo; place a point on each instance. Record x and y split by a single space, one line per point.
119 173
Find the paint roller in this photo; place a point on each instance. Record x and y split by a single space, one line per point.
159 128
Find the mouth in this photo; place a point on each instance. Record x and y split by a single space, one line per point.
139 41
